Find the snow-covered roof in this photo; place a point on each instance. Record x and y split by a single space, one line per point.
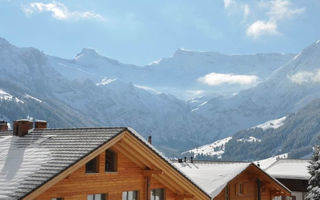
289 169
265 163
212 177
28 162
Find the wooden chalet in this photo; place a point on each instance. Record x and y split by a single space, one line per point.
87 164
233 180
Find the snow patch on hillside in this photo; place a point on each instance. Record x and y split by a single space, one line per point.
33 98
106 81
202 104
251 139
4 96
149 89
274 124
214 149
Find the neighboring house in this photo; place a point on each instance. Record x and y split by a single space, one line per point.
87 164
233 180
292 173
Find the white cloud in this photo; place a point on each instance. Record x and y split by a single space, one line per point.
59 11
280 9
215 79
234 7
262 28
227 3
277 10
306 77
246 10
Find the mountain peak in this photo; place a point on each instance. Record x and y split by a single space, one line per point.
4 42
87 52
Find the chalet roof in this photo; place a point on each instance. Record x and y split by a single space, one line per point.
212 176
289 169
28 162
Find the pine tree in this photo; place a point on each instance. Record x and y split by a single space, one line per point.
314 170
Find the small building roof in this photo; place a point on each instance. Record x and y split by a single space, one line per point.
212 176
289 169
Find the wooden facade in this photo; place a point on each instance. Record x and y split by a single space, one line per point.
246 186
139 168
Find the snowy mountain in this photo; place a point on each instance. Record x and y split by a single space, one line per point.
178 75
293 136
289 88
93 90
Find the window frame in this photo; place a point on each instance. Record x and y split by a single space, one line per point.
133 191
104 196
97 166
163 191
114 161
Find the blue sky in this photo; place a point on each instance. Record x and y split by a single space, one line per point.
141 31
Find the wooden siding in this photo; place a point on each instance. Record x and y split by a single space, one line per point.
128 177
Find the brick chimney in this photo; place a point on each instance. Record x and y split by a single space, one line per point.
3 125
21 127
40 124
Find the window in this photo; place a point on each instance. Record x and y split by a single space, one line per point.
93 165
157 194
97 197
58 198
111 161
130 195
240 188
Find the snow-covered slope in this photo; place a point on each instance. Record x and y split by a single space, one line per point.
215 149
274 124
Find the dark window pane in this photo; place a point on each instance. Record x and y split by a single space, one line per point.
111 161
93 166
157 194
97 197
130 195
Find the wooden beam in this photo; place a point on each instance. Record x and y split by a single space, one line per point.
134 154
72 168
171 174
173 187
150 172
184 196
130 157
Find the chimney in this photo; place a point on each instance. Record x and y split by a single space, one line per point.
150 139
3 125
40 124
191 159
21 127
